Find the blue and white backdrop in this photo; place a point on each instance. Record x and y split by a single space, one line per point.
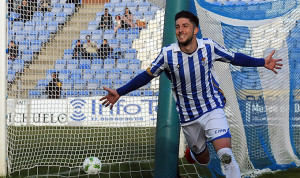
263 108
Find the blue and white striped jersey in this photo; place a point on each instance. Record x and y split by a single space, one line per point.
194 83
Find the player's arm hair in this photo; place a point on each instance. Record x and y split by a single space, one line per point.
137 82
241 59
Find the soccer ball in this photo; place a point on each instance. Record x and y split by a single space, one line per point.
92 165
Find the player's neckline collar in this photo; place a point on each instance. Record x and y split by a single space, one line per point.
200 45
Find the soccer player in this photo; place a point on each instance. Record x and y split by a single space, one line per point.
199 99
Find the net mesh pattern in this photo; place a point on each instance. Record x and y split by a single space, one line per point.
68 39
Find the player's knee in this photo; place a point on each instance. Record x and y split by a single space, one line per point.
203 158
226 159
204 161
225 155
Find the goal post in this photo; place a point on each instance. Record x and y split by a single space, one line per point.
3 70
167 128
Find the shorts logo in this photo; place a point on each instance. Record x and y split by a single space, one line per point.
220 131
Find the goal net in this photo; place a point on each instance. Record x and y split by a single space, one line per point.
62 52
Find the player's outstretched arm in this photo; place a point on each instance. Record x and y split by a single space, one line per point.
271 63
111 98
113 95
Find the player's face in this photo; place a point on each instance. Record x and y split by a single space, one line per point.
185 31
88 39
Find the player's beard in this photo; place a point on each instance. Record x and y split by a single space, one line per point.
187 42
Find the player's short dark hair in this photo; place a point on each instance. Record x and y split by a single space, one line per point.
186 14
55 73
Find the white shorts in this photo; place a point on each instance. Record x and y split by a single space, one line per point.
208 127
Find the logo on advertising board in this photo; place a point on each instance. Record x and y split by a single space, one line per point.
128 111
78 105
37 112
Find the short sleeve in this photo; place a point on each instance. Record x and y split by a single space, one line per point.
157 66
222 54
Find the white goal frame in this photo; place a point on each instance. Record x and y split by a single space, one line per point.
3 92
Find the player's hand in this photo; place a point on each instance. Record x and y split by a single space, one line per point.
111 98
271 63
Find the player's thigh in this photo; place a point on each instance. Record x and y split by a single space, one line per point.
195 137
217 129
